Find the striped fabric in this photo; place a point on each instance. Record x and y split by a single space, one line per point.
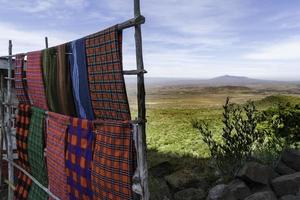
22 129
113 161
63 77
36 154
78 159
80 80
50 78
106 81
56 137
36 87
20 83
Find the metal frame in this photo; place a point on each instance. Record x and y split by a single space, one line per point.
141 175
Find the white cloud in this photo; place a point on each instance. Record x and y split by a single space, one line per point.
24 41
283 50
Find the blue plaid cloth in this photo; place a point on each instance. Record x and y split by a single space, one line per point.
78 159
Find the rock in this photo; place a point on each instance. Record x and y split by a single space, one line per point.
260 188
289 197
190 194
239 189
182 179
158 189
287 184
255 172
291 158
283 169
220 192
161 170
267 195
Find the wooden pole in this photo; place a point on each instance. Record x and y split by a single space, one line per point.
9 147
1 124
46 42
142 152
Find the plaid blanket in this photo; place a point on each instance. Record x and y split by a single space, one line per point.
106 81
20 83
113 161
36 154
80 80
78 159
36 88
22 129
50 78
56 137
64 86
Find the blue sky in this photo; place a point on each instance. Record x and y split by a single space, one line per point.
195 38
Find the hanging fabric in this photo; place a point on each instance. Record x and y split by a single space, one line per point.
22 129
106 81
78 159
113 162
36 157
50 78
20 83
80 80
64 89
36 86
56 137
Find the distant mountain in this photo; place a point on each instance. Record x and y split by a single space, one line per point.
226 80
235 80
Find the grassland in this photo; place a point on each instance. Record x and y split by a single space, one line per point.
170 110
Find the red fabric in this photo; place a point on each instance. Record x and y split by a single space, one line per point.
36 87
105 74
56 138
20 82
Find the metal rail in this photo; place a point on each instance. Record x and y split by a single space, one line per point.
32 178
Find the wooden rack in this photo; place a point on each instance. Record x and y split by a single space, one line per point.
6 136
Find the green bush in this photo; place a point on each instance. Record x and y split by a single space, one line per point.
282 125
238 138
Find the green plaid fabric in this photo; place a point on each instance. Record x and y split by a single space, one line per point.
36 193
36 157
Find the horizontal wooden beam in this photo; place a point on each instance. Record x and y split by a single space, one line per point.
132 22
134 72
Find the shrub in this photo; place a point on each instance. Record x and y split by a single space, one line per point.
238 137
282 125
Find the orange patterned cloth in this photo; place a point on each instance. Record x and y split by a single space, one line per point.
113 160
22 124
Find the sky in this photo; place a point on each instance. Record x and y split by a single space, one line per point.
181 38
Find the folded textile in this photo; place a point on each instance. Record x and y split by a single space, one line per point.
56 137
35 82
50 78
80 80
78 159
63 77
36 157
20 83
22 129
113 160
106 81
